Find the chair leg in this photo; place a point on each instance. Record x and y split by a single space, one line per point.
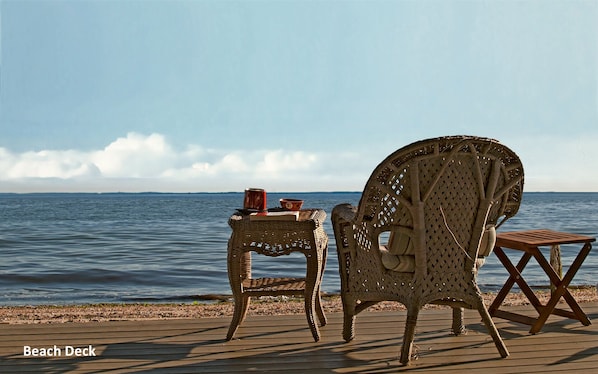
500 345
411 323
348 318
348 327
458 322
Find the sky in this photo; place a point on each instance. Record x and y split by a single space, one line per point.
212 96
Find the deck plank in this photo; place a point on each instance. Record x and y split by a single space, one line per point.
284 344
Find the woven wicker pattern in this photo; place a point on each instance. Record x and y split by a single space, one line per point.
441 193
277 238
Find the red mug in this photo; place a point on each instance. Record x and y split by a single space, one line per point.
255 198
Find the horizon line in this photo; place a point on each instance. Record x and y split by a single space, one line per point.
222 192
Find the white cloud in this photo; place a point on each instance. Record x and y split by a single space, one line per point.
45 164
278 163
135 156
139 162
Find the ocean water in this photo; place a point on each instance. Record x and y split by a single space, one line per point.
114 248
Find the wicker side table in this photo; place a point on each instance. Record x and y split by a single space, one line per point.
276 238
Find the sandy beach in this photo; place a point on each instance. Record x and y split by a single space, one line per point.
262 306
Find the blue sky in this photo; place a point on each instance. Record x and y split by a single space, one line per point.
188 96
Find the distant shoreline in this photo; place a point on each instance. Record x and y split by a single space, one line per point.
177 193
146 193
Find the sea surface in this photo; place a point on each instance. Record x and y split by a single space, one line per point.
157 248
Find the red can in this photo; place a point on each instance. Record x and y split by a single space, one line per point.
255 198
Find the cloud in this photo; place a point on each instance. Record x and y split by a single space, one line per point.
139 162
136 155
45 164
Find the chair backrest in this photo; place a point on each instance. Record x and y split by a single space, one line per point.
441 193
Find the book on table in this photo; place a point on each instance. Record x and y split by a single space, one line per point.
276 216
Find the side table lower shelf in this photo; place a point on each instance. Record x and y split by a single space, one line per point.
278 287
274 286
284 287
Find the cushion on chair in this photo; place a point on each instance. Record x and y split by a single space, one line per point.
400 244
486 246
402 264
398 255
488 241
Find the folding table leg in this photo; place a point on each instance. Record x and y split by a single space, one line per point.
561 291
514 277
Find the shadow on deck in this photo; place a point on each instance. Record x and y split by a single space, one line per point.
284 344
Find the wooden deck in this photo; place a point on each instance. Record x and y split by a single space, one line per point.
284 344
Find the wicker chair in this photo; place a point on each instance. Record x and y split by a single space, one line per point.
433 200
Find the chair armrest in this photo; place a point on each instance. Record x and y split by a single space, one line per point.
344 212
342 218
342 223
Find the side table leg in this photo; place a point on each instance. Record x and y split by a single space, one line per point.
239 267
241 306
319 309
309 313
311 286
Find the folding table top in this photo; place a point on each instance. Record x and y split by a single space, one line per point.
536 238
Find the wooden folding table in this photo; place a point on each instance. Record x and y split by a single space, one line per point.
529 243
